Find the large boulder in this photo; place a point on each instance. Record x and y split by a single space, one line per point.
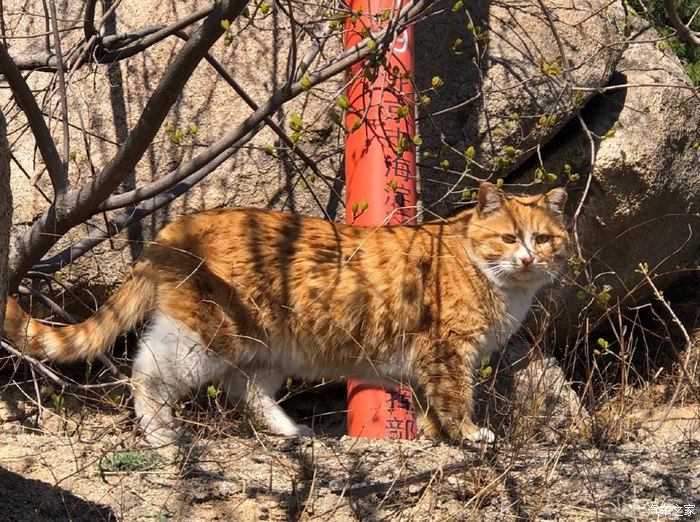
508 71
642 203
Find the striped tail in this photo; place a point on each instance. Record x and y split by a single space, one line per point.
84 341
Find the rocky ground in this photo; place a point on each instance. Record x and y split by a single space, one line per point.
86 464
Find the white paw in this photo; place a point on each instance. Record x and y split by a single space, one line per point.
161 436
304 431
483 435
293 430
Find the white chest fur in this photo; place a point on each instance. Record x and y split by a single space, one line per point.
516 305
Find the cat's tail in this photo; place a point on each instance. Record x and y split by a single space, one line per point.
84 341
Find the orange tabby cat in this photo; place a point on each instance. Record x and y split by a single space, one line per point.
251 297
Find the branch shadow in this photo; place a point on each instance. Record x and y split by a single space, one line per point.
29 500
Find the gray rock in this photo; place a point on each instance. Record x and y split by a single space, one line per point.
531 398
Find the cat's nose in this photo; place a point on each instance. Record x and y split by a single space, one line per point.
526 260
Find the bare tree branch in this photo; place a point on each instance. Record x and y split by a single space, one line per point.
165 182
61 85
112 48
192 171
137 213
76 206
153 38
89 28
683 30
25 99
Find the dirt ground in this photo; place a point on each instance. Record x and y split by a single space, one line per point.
87 464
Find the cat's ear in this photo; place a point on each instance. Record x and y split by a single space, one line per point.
555 200
490 198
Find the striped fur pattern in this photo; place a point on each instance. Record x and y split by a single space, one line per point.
251 297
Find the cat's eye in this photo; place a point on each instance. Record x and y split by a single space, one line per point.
542 238
509 239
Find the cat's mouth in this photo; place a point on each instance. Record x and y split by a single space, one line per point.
528 272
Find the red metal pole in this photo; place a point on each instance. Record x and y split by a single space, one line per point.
380 175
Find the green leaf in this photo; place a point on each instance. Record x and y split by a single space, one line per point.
355 208
436 82
211 390
364 205
610 133
470 152
193 129
402 111
177 136
393 184
305 83
270 150
371 44
499 182
458 5
445 164
417 140
225 25
343 102
264 8
296 123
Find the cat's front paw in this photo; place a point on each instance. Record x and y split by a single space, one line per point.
161 436
292 429
481 435
304 431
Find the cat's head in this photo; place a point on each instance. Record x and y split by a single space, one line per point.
518 240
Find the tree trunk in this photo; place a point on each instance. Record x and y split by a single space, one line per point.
5 214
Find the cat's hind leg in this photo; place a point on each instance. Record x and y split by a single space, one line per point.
170 361
257 389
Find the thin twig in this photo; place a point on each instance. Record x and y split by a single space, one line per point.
688 347
61 85
46 372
